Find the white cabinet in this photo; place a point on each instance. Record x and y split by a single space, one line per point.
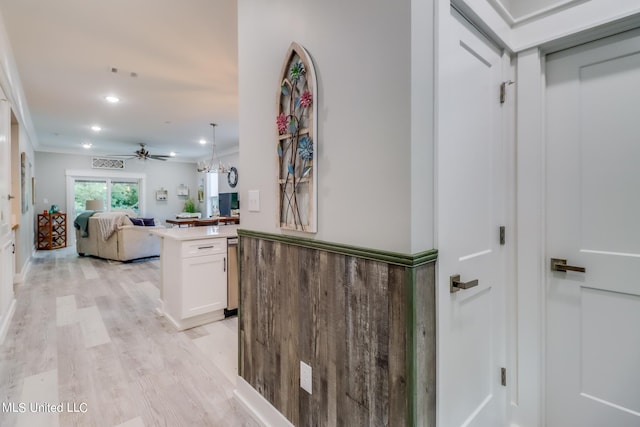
199 295
194 280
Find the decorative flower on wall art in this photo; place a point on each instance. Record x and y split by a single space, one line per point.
283 122
296 123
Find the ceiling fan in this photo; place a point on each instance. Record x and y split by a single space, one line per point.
143 154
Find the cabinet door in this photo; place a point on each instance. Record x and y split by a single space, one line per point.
204 280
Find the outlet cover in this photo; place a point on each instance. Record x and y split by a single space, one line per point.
305 377
254 200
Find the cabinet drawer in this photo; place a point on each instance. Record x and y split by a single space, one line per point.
203 247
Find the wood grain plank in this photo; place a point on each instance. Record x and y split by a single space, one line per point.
425 346
39 389
286 363
378 340
66 311
398 305
93 330
134 422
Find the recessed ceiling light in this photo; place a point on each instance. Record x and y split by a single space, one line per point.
203 141
96 128
86 145
172 154
112 99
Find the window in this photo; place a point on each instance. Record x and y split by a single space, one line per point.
118 190
124 195
84 190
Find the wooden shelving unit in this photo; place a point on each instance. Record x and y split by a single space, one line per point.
52 231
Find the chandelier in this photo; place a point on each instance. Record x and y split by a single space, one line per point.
214 164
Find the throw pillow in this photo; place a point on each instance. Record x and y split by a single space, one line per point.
148 222
137 221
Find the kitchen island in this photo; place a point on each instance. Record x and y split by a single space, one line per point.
194 267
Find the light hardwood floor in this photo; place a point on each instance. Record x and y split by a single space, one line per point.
86 335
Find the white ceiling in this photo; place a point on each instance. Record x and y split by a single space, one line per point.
183 51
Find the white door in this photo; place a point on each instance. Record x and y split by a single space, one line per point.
593 222
472 167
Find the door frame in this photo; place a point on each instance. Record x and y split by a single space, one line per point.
528 381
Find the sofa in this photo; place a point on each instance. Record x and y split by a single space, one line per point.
113 236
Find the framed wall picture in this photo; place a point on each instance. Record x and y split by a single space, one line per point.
296 143
25 182
162 195
183 190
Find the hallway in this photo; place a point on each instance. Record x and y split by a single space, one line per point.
86 335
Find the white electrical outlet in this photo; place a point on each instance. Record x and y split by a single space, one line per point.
305 377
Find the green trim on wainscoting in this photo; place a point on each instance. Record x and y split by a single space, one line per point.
395 258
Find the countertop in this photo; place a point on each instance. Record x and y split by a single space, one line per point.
194 233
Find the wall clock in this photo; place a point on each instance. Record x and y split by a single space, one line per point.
232 177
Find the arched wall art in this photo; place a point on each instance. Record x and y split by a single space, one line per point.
297 142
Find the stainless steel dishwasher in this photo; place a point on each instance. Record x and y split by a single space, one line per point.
232 277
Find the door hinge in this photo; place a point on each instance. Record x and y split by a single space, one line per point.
503 376
503 90
503 238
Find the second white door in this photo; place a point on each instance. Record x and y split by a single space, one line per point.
593 222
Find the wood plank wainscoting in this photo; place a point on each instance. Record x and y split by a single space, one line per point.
364 320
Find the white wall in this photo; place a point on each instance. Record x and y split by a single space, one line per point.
51 181
12 87
362 53
223 184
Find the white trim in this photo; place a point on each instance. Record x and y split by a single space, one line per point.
92 173
19 277
6 321
258 407
512 20
511 235
527 399
569 20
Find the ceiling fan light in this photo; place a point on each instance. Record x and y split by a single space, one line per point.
112 99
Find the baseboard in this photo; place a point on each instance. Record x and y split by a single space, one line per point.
6 322
260 409
191 322
21 276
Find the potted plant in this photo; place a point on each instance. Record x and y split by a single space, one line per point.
189 206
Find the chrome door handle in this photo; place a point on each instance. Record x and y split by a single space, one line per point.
455 284
558 264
